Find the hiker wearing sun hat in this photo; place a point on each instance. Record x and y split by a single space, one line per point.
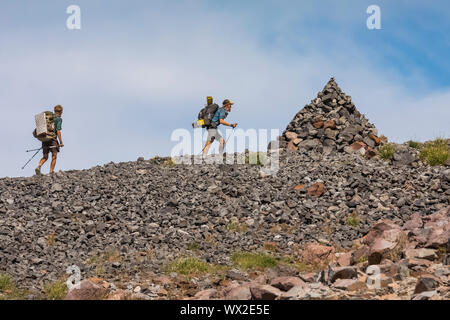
218 119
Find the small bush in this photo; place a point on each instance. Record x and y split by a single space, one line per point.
169 163
387 151
353 220
9 290
56 290
413 144
236 227
250 260
435 153
193 246
188 266
256 158
6 283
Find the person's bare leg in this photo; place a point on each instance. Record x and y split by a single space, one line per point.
53 164
41 163
206 148
222 145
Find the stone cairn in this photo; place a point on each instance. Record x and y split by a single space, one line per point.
331 122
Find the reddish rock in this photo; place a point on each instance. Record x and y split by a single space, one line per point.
357 145
421 253
308 277
422 263
329 124
375 139
317 189
294 293
88 290
286 283
317 254
299 187
296 141
360 254
292 146
318 124
383 138
290 135
264 292
205 294
379 230
345 259
239 293
163 281
117 295
414 222
349 284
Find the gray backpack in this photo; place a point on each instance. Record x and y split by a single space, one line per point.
45 127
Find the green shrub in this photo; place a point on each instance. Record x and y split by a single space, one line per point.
188 266
387 151
236 227
9 290
169 163
6 283
413 144
435 153
256 158
252 260
353 221
55 290
193 246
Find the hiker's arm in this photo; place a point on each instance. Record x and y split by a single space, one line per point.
60 139
226 123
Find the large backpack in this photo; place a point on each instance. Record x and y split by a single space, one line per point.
207 113
45 127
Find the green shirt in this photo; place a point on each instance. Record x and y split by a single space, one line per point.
58 124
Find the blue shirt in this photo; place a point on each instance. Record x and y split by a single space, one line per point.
221 113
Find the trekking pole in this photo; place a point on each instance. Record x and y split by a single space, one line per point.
229 137
37 151
34 155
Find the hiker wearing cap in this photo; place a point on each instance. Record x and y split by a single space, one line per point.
53 145
217 120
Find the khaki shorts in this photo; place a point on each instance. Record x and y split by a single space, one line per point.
214 134
47 146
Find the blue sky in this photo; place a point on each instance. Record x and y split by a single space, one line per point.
137 70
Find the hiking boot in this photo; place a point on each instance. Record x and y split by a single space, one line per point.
37 171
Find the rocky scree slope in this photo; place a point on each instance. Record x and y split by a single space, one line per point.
149 214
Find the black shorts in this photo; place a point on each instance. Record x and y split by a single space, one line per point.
50 146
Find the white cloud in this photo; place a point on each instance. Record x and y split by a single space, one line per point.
123 96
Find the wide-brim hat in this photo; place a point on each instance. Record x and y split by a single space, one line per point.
227 101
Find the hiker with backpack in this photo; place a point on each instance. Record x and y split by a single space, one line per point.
50 137
217 119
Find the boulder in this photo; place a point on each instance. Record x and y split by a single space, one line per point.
265 292
87 290
286 283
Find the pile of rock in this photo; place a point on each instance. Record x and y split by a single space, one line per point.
392 262
332 122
